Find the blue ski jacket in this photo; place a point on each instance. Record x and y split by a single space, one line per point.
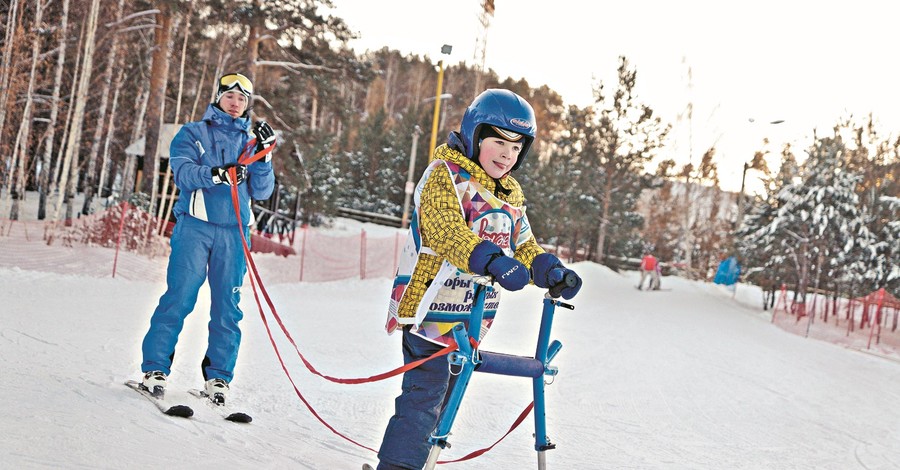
216 140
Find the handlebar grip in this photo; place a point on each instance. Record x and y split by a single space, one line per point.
560 279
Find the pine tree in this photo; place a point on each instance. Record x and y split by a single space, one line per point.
616 141
815 223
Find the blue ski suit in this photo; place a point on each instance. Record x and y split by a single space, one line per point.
206 242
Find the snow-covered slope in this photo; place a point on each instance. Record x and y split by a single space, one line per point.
687 378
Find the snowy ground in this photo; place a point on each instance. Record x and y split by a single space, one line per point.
683 379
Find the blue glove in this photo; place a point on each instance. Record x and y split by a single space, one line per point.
548 272
488 259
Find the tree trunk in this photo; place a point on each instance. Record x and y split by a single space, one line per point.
187 34
199 90
110 131
253 37
74 141
165 185
67 127
24 133
91 175
604 218
386 103
46 171
159 73
6 69
688 234
129 178
803 278
313 125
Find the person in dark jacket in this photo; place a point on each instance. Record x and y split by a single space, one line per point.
206 241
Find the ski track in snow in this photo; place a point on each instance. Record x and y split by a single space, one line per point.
687 378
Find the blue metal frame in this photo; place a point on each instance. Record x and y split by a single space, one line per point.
469 359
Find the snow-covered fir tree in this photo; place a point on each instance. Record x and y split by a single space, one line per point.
814 228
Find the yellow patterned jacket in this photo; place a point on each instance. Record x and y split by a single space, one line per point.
445 229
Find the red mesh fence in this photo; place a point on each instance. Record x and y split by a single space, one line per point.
867 323
121 244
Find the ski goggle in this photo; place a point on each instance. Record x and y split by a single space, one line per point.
235 80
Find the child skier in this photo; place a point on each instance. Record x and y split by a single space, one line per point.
469 219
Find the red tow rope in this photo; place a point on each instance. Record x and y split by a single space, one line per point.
473 454
245 159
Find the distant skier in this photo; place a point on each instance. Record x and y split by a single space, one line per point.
206 240
649 268
469 219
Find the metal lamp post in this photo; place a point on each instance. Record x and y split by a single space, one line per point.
445 49
740 214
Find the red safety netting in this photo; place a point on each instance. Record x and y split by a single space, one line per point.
121 242
869 322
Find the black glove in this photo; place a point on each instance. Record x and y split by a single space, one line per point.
265 137
548 272
220 174
488 259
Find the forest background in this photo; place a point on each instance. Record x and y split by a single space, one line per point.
82 80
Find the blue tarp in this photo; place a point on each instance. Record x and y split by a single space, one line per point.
729 271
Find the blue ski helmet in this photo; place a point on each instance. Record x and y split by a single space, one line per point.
500 108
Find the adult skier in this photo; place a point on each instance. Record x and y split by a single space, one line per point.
206 241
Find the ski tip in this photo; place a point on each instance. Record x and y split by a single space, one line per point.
239 418
181 411
367 467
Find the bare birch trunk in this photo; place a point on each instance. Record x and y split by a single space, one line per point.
200 83
91 174
21 146
224 56
74 142
60 156
165 186
128 178
44 185
110 131
5 75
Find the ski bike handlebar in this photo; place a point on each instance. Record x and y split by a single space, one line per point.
558 278
468 359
